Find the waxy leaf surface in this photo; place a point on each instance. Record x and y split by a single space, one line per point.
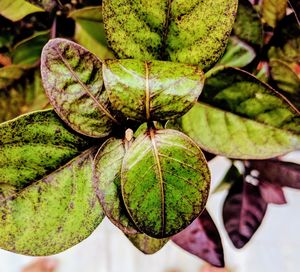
193 32
165 181
107 183
147 244
72 78
152 90
52 214
241 117
203 240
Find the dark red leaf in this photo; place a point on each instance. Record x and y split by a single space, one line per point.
202 239
272 193
278 172
243 211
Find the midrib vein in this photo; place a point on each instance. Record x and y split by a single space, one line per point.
161 181
102 109
147 92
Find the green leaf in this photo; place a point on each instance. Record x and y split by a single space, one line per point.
193 32
273 11
17 9
9 74
147 244
52 214
107 182
34 145
89 31
165 181
152 90
29 50
72 78
233 175
240 117
47 5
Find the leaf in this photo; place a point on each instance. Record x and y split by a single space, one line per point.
29 50
295 5
17 9
73 81
273 11
243 212
47 5
152 90
52 214
272 193
87 20
232 175
34 145
203 240
165 181
278 172
147 244
107 183
9 74
193 32
241 117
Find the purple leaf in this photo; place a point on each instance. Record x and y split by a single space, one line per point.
272 193
278 172
243 211
202 239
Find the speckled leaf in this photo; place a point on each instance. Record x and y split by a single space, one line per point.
165 181
107 183
193 32
34 145
152 90
72 78
241 117
203 240
273 11
52 214
147 244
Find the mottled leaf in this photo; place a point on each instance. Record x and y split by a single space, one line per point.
17 9
107 183
193 32
89 31
272 193
243 212
72 78
52 214
147 244
152 90
241 117
202 239
165 182
273 11
278 172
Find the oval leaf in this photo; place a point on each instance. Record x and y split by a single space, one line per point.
52 214
203 240
165 182
107 183
241 117
191 32
72 78
147 244
152 90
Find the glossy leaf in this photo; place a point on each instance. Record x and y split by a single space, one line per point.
191 32
152 90
273 11
165 182
202 239
278 172
73 81
89 31
272 193
34 145
17 9
241 117
52 214
107 183
243 212
147 244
